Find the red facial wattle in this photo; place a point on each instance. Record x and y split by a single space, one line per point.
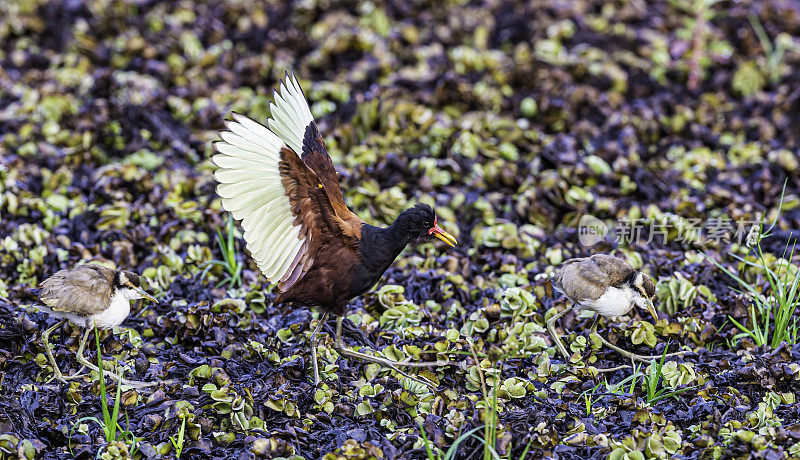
439 232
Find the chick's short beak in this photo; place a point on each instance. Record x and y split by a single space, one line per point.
652 309
146 295
439 232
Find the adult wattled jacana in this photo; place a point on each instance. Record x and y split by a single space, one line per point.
282 185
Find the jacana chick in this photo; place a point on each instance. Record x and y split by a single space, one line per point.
282 185
606 285
89 295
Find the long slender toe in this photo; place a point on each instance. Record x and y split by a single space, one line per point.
634 356
134 383
383 362
551 328
338 345
57 375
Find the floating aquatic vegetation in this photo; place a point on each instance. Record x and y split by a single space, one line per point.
514 119
677 294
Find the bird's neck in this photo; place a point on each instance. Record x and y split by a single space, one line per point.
380 246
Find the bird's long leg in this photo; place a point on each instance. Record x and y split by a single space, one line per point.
340 348
632 356
84 362
314 346
79 354
593 329
46 341
551 328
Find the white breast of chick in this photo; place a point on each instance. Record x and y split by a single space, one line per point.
118 309
615 301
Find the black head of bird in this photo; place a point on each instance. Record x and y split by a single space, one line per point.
421 221
89 295
281 183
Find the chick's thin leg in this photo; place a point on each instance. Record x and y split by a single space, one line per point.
552 330
84 362
314 346
47 348
340 348
82 344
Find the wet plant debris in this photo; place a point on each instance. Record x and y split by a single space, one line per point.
663 132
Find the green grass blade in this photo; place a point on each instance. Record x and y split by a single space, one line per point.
179 448
787 304
783 190
490 427
115 415
766 44
525 452
103 396
76 423
744 329
428 449
672 394
453 449
489 454
734 276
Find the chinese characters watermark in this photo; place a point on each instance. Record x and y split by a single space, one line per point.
592 230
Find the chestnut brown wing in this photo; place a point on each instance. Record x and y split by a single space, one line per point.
292 121
312 210
613 270
284 209
317 158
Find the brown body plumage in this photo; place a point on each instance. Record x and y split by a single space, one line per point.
80 293
586 280
66 290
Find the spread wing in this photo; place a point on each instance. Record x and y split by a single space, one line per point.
292 121
83 290
284 208
312 210
252 189
585 279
